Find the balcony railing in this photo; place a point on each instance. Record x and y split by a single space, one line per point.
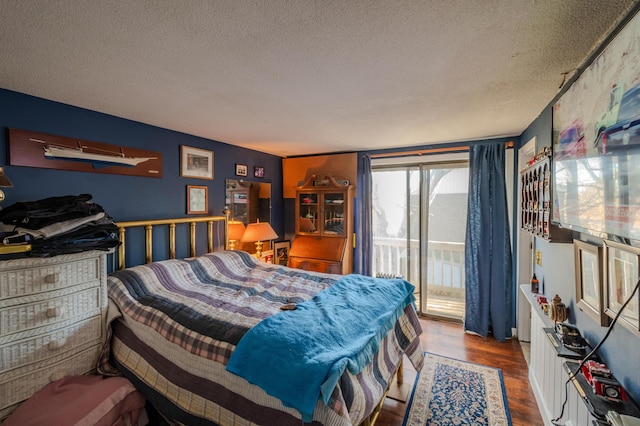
445 264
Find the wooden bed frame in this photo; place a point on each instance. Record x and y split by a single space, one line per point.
193 238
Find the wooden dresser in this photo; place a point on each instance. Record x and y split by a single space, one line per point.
52 321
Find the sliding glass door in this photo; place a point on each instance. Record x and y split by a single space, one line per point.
419 222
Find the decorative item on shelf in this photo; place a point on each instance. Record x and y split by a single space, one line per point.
558 309
571 338
267 256
535 288
542 302
4 183
281 249
258 233
602 381
235 230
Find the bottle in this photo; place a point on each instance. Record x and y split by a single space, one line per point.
534 284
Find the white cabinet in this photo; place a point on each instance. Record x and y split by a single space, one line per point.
547 374
52 321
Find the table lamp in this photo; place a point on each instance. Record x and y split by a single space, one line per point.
4 183
236 230
258 232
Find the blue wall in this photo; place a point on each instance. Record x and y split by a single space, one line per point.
125 197
620 351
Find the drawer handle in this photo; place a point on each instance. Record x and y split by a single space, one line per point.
52 278
54 312
56 344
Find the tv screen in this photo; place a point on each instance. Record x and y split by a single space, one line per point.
596 143
599 195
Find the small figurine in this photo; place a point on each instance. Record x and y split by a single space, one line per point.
558 309
602 381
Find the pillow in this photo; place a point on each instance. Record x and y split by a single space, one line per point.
83 400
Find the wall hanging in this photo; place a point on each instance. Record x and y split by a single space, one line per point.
32 149
196 163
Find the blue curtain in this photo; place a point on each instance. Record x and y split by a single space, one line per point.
489 281
364 236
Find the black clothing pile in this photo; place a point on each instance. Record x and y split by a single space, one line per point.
58 225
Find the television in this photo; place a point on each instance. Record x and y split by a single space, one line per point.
596 143
599 195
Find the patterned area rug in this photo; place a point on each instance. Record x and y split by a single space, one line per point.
452 392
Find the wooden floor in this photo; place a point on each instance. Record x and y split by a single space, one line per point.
448 339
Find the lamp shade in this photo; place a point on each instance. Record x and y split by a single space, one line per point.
236 230
259 231
4 180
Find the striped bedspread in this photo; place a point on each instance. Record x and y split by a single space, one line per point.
174 325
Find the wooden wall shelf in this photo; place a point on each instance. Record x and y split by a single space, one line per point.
536 203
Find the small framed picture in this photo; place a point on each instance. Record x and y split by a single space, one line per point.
589 288
267 256
281 250
196 163
197 199
258 171
622 264
241 170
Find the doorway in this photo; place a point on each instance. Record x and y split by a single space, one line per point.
419 225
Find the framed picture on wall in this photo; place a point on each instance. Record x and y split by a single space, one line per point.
197 199
241 170
589 288
622 264
196 163
258 171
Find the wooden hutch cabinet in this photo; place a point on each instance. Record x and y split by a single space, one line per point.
536 208
324 226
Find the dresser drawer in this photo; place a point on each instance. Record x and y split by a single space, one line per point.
48 274
49 308
18 385
43 346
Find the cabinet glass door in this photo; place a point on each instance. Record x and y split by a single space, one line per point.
308 211
333 213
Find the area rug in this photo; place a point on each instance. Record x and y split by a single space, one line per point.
452 392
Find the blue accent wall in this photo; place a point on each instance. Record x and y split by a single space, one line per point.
125 197
620 351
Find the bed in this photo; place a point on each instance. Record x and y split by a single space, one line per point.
223 338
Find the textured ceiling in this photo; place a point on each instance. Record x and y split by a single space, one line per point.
301 76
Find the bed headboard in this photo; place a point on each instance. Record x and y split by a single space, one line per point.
171 224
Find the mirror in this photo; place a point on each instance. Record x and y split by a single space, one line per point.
248 201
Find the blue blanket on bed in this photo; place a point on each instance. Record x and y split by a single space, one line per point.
298 356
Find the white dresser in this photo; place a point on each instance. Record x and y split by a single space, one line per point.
52 321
